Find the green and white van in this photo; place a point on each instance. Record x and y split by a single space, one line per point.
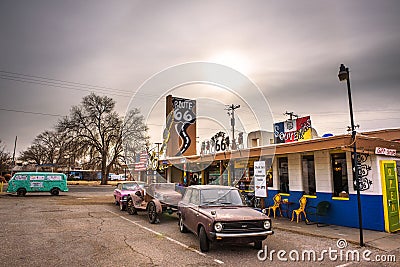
23 182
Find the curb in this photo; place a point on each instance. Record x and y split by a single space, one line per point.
366 245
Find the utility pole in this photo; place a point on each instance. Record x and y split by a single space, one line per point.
13 158
231 112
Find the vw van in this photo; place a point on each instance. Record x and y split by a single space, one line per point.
23 182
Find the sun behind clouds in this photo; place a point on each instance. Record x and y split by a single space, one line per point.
233 59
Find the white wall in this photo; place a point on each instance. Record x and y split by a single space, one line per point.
371 174
295 173
323 171
275 174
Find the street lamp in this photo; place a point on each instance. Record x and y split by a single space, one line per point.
344 75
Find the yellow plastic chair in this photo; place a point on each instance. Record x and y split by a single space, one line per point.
277 205
301 209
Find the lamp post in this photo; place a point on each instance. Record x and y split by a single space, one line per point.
345 75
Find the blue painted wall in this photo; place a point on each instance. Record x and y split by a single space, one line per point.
342 212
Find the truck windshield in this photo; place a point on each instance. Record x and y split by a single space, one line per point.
224 197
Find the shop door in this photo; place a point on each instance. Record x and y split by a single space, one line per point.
390 196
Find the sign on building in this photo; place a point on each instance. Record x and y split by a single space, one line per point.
385 151
292 130
260 179
180 130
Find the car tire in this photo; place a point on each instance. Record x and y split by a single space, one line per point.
152 212
21 192
54 191
182 227
130 207
204 242
258 244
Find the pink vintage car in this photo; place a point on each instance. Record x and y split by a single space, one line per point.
124 189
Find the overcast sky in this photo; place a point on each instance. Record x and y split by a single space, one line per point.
53 53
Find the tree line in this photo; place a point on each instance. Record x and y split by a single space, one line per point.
93 135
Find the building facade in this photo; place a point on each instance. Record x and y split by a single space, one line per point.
321 169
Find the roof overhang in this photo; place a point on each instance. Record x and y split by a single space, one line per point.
364 144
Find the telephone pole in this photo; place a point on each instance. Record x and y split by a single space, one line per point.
13 157
231 112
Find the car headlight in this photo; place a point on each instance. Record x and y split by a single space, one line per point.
264 211
267 225
125 197
218 227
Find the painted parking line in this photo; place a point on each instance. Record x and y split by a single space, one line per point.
166 237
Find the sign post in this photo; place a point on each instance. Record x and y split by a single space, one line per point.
260 179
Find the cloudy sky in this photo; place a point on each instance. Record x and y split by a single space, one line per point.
55 52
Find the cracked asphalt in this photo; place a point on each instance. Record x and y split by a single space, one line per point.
81 228
84 228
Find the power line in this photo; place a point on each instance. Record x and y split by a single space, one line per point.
39 80
31 112
56 81
64 86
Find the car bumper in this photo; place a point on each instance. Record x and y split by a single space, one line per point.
257 235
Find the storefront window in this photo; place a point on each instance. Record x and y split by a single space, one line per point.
339 174
308 175
213 177
283 173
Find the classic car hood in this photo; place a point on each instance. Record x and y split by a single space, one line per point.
168 197
235 213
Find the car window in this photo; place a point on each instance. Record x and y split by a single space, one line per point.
221 197
195 198
130 186
186 197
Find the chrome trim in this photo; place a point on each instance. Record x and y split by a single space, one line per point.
269 232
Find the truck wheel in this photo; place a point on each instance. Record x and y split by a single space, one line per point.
21 192
182 227
204 242
55 191
152 212
130 207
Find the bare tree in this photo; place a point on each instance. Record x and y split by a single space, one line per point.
98 131
49 147
35 153
134 135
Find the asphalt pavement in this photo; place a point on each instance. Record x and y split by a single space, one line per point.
374 239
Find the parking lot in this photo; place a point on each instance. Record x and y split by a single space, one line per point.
83 227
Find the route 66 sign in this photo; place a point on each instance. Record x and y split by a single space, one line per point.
182 134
